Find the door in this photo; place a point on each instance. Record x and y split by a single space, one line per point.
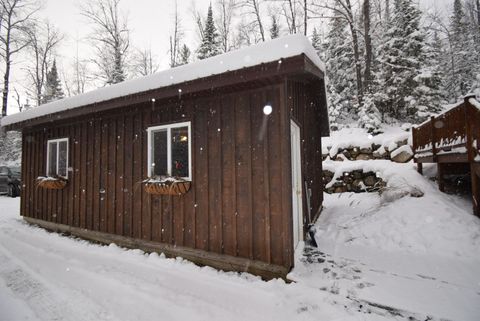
297 205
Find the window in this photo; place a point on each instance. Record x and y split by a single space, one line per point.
57 157
169 151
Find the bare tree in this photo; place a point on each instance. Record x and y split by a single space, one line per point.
145 62
227 10
15 18
110 38
175 38
368 44
253 8
43 38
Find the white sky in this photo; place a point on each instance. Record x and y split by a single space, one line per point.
150 22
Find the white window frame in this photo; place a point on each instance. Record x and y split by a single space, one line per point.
58 154
168 128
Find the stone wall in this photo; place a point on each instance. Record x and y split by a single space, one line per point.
355 181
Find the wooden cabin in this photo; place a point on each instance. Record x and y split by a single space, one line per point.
218 161
452 140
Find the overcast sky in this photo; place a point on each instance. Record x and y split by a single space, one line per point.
150 23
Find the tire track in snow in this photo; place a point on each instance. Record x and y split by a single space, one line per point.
46 302
161 284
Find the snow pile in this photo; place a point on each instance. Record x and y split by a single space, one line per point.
265 52
435 223
358 137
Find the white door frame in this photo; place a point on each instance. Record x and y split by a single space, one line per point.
297 199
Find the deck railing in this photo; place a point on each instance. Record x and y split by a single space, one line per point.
455 131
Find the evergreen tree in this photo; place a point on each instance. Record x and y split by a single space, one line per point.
340 72
210 45
316 41
461 74
369 115
274 29
53 87
464 55
184 55
428 94
400 57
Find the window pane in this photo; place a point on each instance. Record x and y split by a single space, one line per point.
62 159
159 153
180 151
52 159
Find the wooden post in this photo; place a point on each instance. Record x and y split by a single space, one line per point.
420 168
468 129
440 172
432 134
475 172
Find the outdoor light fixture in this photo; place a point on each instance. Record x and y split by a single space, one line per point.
267 109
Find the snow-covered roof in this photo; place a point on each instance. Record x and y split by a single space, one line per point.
265 52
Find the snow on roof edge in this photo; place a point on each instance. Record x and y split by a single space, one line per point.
264 52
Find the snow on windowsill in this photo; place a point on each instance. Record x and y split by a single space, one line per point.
266 52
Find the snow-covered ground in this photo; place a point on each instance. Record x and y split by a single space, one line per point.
378 259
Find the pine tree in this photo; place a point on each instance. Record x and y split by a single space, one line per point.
184 55
53 87
316 42
274 29
428 94
400 57
461 75
340 72
210 45
369 115
464 55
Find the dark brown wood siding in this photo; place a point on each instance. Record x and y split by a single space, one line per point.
306 103
239 203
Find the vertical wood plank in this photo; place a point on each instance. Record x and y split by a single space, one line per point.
146 206
128 190
229 176
244 177
137 176
120 175
201 177
214 132
83 174
112 174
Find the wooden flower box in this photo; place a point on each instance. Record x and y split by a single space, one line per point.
52 182
169 186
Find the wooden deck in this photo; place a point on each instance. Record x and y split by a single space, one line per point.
449 138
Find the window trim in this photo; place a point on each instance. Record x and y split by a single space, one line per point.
168 128
58 141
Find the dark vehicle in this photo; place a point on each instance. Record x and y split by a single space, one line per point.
10 181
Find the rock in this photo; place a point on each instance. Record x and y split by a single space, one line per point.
356 174
348 179
370 180
341 189
340 157
416 192
402 154
354 152
402 142
347 154
330 190
364 157
370 173
376 146
358 186
327 173
367 150
380 153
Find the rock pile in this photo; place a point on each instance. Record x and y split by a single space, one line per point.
355 181
399 152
